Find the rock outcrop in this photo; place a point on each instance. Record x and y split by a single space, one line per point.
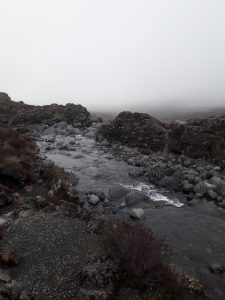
18 113
199 138
136 130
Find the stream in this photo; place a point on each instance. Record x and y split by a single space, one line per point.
195 234
96 167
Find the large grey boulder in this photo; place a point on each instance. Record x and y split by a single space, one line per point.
136 130
93 199
117 193
135 198
169 182
202 187
220 188
136 172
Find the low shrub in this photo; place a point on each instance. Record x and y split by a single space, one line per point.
144 266
142 258
17 156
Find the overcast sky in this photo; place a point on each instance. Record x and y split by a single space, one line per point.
113 54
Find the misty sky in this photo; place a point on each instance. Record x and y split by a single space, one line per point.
113 54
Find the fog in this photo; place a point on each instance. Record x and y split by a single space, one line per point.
114 55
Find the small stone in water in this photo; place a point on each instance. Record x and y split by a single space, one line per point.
137 213
93 199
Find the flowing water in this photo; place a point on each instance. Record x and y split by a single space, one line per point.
96 167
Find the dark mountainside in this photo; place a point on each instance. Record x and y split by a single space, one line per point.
128 209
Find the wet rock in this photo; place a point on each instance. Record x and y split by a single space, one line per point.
217 168
50 131
212 194
222 204
136 197
50 140
217 268
191 176
156 173
215 180
63 147
136 172
137 213
187 187
74 180
78 156
101 195
220 188
169 182
202 187
93 199
117 193
47 163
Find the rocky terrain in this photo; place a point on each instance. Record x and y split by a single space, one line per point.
147 133
18 113
131 209
199 138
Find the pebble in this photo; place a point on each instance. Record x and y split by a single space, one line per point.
137 213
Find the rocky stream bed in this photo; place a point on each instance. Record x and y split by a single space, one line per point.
115 179
65 177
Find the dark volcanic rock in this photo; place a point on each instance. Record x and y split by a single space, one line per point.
4 97
18 113
76 115
135 198
200 138
136 130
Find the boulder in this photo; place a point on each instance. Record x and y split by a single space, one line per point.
215 180
220 188
213 195
188 187
136 130
93 199
136 172
199 138
169 182
156 173
202 187
136 197
117 193
137 213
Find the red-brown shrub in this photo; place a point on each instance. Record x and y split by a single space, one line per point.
141 258
17 155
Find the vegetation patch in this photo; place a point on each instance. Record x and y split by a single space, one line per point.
143 263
